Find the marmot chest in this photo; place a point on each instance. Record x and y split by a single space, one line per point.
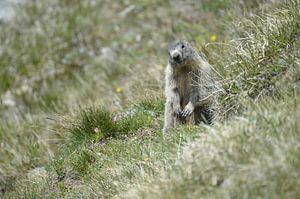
184 83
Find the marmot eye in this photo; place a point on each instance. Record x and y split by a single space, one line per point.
182 46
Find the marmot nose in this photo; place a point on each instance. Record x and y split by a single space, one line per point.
176 56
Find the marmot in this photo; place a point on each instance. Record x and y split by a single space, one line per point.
190 87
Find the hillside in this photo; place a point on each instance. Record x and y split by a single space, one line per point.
82 100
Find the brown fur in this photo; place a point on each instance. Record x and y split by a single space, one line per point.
190 87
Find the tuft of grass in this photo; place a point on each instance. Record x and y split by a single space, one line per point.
93 123
259 55
97 124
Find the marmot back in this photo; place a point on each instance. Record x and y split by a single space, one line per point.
190 87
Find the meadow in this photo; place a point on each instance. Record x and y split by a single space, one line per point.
82 102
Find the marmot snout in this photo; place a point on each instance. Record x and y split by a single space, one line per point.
180 51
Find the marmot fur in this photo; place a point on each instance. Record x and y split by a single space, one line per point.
190 87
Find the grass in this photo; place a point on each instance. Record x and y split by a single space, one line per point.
260 62
86 82
253 155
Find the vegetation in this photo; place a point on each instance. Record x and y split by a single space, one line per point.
82 100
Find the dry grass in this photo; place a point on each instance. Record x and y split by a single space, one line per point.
82 101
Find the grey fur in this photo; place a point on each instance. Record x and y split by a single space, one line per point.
190 87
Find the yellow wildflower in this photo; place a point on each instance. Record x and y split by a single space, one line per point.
119 90
213 38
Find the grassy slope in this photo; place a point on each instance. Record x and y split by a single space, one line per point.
123 155
253 155
52 63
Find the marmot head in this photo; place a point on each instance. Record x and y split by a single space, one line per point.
181 52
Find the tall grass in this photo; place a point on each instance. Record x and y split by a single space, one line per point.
258 56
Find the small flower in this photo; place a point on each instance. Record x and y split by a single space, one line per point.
96 130
119 90
213 38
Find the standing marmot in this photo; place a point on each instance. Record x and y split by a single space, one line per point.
190 87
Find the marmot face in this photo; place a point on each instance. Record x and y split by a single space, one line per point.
180 53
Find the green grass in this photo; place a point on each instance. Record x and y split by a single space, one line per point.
87 81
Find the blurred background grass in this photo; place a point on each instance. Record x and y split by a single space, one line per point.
84 78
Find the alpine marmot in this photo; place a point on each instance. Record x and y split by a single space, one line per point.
190 87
